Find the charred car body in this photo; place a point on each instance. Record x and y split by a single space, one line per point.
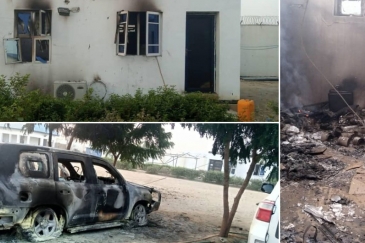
44 191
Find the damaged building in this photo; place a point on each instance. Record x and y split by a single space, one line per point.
322 121
121 46
321 40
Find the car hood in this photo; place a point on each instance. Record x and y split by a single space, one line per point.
139 186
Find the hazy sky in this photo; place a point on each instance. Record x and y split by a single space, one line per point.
259 7
186 140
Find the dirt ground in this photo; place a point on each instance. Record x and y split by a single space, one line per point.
265 94
337 178
189 211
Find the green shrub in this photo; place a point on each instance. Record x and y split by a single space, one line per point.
214 177
255 185
124 165
152 170
192 174
161 104
165 170
235 180
181 172
178 172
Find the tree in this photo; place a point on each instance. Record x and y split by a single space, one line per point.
240 142
51 127
133 143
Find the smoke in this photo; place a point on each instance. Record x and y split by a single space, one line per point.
323 48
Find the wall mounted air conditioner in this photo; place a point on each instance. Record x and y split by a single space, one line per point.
70 89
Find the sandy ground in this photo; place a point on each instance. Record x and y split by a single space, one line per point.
189 211
262 93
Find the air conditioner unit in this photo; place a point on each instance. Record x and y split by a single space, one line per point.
70 89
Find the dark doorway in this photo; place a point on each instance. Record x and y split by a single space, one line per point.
199 53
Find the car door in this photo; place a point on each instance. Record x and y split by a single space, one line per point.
75 188
113 197
273 230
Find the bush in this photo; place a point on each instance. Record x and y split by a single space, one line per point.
214 177
237 181
161 104
181 172
255 185
152 170
165 170
123 165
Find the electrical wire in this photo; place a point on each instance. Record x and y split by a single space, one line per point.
315 66
163 80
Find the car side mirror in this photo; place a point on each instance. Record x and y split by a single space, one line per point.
267 187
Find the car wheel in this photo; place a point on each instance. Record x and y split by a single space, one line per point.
139 215
42 224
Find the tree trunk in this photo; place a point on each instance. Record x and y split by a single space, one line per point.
49 137
224 227
70 142
255 160
115 159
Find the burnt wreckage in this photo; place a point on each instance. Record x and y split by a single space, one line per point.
45 190
322 172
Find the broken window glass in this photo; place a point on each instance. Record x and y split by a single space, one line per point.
12 51
33 164
153 33
31 25
42 50
24 20
142 36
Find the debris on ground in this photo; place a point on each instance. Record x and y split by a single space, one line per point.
322 175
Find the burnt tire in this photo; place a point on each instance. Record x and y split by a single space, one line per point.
139 215
42 224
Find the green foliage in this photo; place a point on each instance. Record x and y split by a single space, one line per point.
181 172
274 106
128 142
255 185
214 177
165 170
244 138
153 170
161 104
235 180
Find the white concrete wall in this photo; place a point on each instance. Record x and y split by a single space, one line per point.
83 45
13 136
259 7
260 51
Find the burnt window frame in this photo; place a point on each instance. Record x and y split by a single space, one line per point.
118 177
126 27
59 157
39 29
27 172
338 11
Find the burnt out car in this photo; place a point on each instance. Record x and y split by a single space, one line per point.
44 191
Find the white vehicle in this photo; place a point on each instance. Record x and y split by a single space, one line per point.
265 225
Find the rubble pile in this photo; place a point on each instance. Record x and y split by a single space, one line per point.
322 157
